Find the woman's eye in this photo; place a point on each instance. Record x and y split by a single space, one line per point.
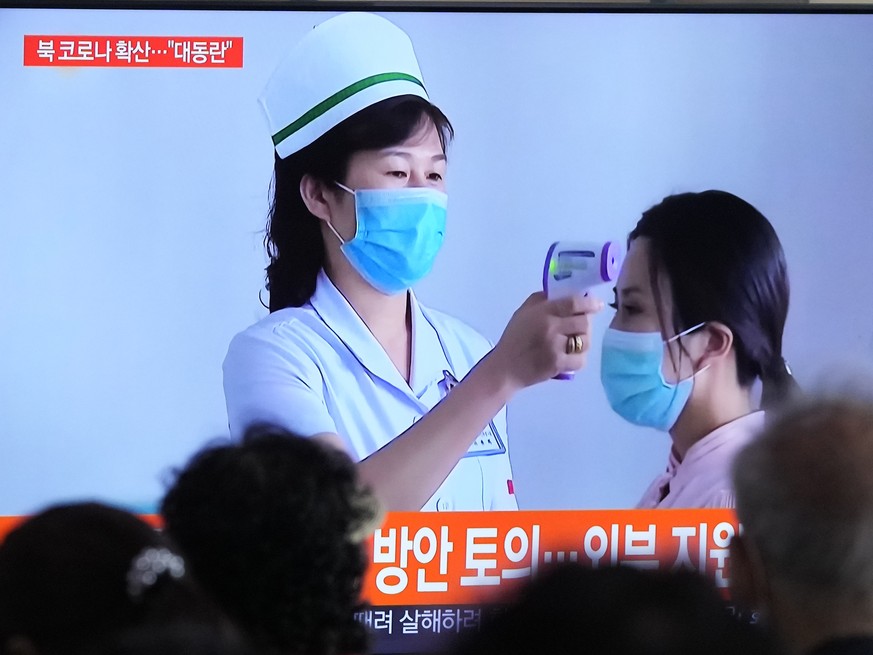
398 174
625 308
436 177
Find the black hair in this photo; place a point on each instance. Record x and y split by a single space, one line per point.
572 609
64 581
272 527
724 263
293 239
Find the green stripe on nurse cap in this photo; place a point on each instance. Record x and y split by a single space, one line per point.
344 65
338 98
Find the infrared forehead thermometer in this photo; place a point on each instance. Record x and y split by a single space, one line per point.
574 267
577 266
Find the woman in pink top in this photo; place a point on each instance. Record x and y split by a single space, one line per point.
701 304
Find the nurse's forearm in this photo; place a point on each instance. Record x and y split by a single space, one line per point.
405 473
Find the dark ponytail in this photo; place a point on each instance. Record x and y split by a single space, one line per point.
778 385
725 263
293 240
293 237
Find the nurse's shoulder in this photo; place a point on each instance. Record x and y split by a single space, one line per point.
273 372
291 333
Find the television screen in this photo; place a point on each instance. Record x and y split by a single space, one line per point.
135 167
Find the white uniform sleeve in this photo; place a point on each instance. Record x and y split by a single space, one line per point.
266 383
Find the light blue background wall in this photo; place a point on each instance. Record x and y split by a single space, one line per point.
132 204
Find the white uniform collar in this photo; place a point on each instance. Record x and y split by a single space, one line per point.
427 356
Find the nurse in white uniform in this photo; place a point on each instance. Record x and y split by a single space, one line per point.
348 354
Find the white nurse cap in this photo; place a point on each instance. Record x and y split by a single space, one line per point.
342 66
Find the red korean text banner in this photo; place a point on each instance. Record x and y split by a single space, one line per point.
473 557
134 51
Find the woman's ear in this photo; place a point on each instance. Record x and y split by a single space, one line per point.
315 197
719 342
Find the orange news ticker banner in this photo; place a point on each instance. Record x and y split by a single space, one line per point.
463 558
475 557
134 51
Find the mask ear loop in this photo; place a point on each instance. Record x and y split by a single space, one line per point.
336 234
329 224
688 331
679 336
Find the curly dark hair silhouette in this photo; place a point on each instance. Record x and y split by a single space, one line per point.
273 527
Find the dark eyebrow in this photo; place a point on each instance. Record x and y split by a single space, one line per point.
406 155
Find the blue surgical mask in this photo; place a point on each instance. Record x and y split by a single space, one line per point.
632 377
399 233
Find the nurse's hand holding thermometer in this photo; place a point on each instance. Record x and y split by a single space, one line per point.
574 267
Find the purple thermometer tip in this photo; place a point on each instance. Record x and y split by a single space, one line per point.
610 261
